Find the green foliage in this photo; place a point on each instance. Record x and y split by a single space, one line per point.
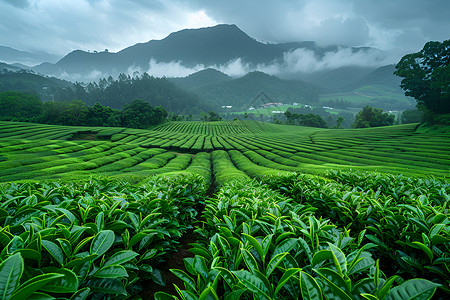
412 116
372 117
239 92
16 106
117 93
99 237
257 242
140 114
426 76
310 120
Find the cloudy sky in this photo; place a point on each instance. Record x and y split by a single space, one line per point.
60 26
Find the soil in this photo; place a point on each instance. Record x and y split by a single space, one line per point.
174 262
85 135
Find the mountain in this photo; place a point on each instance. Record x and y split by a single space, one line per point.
205 46
240 92
24 81
340 79
11 55
200 79
208 47
383 75
8 67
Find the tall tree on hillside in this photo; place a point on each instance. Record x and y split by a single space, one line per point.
426 76
372 117
140 114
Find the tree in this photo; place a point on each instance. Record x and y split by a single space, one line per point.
426 76
412 116
339 122
19 106
140 114
372 117
312 120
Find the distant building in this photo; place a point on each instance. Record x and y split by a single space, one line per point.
272 104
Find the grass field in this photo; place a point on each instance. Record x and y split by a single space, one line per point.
231 149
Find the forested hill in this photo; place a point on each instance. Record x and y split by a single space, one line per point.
118 93
24 81
219 89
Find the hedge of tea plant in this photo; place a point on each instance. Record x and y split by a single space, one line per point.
91 240
308 237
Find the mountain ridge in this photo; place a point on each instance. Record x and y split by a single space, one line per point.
203 47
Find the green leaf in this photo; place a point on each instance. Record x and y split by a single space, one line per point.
68 283
265 244
81 294
235 294
200 266
158 277
164 296
106 285
68 214
370 297
188 281
309 287
11 270
363 286
425 249
253 283
413 289
386 286
111 271
78 262
361 236
255 245
274 262
30 254
227 276
82 244
100 221
334 285
249 260
54 251
102 242
340 262
285 246
32 285
364 262
120 257
137 238
321 256
208 291
65 246
40 296
304 245
285 278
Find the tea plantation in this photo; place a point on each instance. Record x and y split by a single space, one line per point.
277 212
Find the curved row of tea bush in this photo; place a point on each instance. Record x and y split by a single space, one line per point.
285 239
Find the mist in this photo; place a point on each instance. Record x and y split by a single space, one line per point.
299 61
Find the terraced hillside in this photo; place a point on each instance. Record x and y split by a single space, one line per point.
218 151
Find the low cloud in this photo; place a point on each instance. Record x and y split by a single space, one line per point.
298 61
171 69
305 61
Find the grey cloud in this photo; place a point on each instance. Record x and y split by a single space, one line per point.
17 3
60 26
